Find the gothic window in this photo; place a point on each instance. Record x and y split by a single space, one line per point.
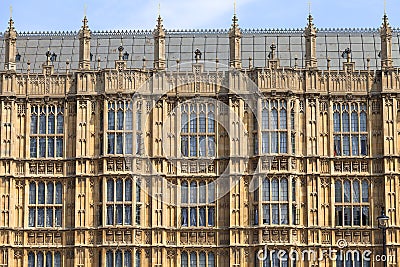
120 131
197 204
352 203
274 129
45 204
352 258
272 259
138 260
118 258
119 204
198 130
274 202
47 131
202 258
44 259
350 135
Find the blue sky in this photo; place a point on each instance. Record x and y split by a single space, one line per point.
55 15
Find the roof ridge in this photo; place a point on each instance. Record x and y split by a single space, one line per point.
202 31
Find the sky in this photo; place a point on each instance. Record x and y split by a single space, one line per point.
58 15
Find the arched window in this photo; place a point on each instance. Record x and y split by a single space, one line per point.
274 119
128 190
345 120
193 192
275 190
347 190
118 258
356 191
111 116
50 193
138 259
202 193
110 190
57 259
120 119
129 116
32 193
41 193
265 119
193 120
338 191
202 259
51 123
284 190
354 121
184 122
202 122
184 259
184 193
363 121
265 190
283 116
49 259
211 260
58 193
211 121
193 259
109 259
34 121
365 197
40 259
127 259
119 190
31 259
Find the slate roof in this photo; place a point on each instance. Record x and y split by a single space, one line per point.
181 44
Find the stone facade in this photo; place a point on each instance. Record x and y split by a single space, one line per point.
203 166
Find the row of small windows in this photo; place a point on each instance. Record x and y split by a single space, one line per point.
194 259
351 202
45 204
198 129
47 259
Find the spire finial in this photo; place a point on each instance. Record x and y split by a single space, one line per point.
234 7
159 9
84 10
309 7
384 7
10 11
